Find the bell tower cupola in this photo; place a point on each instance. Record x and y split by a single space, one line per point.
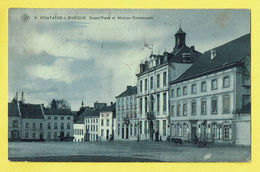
179 39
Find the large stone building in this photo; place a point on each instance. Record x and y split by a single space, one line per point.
152 87
126 114
205 100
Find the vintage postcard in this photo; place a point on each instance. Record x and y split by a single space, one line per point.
129 85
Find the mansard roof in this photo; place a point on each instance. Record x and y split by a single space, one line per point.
227 55
13 109
31 111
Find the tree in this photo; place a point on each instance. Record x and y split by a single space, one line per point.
59 104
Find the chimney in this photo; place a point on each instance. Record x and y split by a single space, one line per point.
111 103
128 87
192 49
22 98
16 96
213 53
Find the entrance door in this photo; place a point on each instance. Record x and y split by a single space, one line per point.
151 130
107 134
61 136
193 132
41 136
126 133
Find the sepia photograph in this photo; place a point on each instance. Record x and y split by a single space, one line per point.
129 85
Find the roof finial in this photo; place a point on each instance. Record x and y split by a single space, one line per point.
180 22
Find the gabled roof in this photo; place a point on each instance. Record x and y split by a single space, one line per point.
246 108
87 112
48 111
177 55
31 111
231 53
128 92
13 109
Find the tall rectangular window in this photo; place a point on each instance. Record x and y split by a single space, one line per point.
158 103
193 88
141 127
145 127
68 125
178 92
55 125
184 109
141 86
193 108
164 78
40 126
203 107
34 126
185 91
226 81
151 82
145 84
214 84
164 102
172 93
102 122
214 105
49 125
172 110
145 104
226 104
158 80
107 122
141 105
15 123
178 110
203 86
26 125
62 126
227 129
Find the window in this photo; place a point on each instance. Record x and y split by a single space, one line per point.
55 125
203 106
68 118
185 130
26 125
178 110
184 110
107 122
141 86
185 91
55 117
193 108
193 88
145 84
102 133
62 118
34 135
172 110
26 135
151 82
226 81
40 126
164 79
145 127
49 125
62 126
172 93
227 130
164 127
164 102
141 105
49 117
158 102
102 122
226 104
214 105
49 135
178 92
145 104
179 130
68 125
131 129
135 130
15 123
158 80
34 126
55 135
141 127
214 84
203 86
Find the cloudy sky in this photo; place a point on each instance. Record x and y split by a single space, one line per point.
95 59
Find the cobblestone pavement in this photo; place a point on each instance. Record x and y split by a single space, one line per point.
131 151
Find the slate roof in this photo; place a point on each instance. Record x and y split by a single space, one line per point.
177 56
80 119
128 92
13 109
246 108
48 111
111 108
227 55
31 111
94 114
